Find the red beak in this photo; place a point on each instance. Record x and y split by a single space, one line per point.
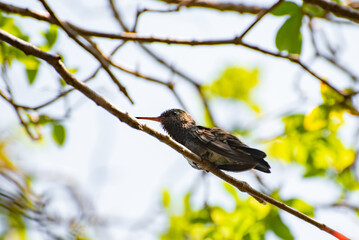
157 119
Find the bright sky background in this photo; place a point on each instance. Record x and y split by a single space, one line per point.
123 170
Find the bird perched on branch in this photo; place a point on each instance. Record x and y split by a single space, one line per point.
215 145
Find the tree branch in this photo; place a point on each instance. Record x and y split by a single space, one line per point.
337 9
240 8
55 62
232 41
259 17
161 61
134 37
94 52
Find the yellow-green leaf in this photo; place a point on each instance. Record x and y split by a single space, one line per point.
235 83
301 206
330 97
165 198
286 8
348 180
50 37
59 133
289 36
317 118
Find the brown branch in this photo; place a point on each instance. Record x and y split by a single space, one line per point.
54 61
337 9
240 8
330 6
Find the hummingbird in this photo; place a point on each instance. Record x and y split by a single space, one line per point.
215 145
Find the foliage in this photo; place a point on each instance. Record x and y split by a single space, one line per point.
289 36
311 140
9 53
24 213
248 220
235 83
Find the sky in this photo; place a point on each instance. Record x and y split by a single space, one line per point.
123 171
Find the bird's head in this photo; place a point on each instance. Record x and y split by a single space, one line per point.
173 118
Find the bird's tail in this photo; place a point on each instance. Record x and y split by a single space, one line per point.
262 165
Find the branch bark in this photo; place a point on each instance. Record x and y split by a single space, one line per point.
134 37
55 62
240 8
337 9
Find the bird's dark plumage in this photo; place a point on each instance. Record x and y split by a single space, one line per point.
223 149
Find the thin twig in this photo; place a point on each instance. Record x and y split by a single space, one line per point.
233 41
329 59
72 34
221 6
155 56
146 10
15 106
259 17
62 94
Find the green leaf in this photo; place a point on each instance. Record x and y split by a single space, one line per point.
314 172
62 82
165 198
338 101
8 25
235 83
289 36
31 75
317 118
286 8
51 37
32 65
59 133
293 124
44 119
330 97
232 191
3 20
187 203
317 147
348 180
276 224
301 206
207 119
72 70
9 53
313 10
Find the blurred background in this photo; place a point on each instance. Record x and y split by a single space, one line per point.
70 170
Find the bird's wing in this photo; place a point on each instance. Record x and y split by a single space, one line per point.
225 144
237 144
